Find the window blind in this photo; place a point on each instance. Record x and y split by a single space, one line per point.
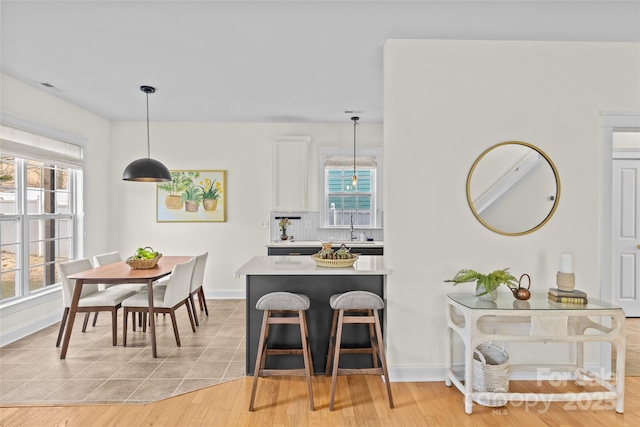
347 162
28 145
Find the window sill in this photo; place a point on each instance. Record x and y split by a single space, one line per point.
12 307
346 227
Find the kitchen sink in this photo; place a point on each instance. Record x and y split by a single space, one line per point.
352 243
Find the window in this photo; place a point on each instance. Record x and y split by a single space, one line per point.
39 225
341 202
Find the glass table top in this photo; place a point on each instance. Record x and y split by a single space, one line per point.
538 301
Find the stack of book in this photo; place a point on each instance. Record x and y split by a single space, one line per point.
567 297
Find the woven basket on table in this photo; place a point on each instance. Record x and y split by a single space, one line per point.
143 264
334 263
490 374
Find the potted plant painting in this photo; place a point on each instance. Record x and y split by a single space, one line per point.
486 284
191 197
179 182
210 193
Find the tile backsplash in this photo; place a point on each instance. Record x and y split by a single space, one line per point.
307 228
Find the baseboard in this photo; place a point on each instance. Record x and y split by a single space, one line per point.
403 374
30 328
225 294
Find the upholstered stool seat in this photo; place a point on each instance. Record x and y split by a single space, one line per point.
279 303
348 308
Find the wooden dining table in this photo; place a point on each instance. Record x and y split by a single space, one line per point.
119 273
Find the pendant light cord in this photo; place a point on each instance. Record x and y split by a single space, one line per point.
355 123
148 138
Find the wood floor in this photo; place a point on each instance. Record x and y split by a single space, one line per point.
360 401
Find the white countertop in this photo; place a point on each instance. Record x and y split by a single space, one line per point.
304 265
318 244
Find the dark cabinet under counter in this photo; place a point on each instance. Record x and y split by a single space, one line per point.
310 250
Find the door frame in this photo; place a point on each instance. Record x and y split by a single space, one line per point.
609 123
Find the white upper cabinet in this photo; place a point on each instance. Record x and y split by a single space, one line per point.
290 184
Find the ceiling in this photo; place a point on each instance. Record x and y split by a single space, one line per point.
261 61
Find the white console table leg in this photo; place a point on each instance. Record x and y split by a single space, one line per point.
468 378
447 357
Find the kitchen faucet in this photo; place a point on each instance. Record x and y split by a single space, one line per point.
352 238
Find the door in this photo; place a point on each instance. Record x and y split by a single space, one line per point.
626 236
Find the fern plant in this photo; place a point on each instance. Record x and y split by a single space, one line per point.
490 281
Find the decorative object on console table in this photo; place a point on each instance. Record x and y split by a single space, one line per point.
560 293
490 373
567 297
565 278
574 296
521 293
486 284
568 300
283 226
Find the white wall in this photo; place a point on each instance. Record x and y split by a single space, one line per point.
244 151
445 103
27 102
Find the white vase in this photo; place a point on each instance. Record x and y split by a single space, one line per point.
483 295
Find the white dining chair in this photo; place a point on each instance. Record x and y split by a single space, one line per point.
197 280
91 298
110 258
165 300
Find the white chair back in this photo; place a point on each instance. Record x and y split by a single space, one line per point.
108 258
67 269
179 285
197 279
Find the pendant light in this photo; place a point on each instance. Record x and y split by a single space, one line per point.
146 169
354 180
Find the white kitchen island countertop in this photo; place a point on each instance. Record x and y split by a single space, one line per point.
318 244
304 265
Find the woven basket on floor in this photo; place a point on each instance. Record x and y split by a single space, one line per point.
490 374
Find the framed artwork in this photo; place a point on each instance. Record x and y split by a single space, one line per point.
192 196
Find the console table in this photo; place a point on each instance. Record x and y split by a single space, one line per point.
548 322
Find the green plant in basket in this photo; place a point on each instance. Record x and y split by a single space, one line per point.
143 253
485 283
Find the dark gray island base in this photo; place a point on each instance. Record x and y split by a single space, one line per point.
318 287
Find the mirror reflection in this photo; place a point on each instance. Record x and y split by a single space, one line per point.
513 188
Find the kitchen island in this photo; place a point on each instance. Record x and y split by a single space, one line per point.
299 274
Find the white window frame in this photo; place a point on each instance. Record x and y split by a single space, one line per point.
376 193
10 305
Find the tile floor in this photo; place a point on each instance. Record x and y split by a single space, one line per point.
96 372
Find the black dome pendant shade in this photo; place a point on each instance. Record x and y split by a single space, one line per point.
146 169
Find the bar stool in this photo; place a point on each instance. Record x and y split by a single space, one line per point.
356 302
283 302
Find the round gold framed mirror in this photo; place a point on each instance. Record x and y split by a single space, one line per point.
513 188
